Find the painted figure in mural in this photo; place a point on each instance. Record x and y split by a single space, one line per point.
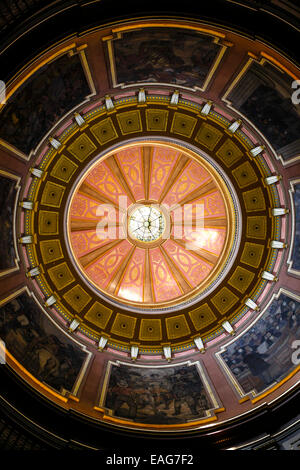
34 341
263 355
257 365
7 201
266 95
187 390
42 354
124 394
296 247
143 397
47 96
160 392
182 395
153 55
163 396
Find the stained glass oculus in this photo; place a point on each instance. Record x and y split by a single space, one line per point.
146 223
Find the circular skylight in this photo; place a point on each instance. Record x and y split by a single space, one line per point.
158 226
146 223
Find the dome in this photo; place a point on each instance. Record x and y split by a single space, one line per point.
149 178
139 253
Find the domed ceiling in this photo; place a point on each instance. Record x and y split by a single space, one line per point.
150 261
144 257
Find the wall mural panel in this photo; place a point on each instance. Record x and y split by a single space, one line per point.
44 98
264 95
163 55
38 345
158 395
262 356
8 194
294 255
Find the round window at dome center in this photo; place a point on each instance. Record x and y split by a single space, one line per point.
146 223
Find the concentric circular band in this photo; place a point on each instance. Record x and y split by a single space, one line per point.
225 155
232 232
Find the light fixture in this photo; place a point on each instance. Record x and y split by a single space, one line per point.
134 350
167 352
26 205
26 239
277 244
257 150
272 179
109 103
199 343
174 98
279 211
141 95
54 142
206 108
74 324
234 126
269 276
227 327
50 301
36 172
251 304
33 272
102 343
79 119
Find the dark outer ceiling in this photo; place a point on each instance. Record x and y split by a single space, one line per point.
30 32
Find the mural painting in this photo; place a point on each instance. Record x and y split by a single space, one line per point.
264 96
295 256
44 98
8 194
164 55
39 346
263 355
158 395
